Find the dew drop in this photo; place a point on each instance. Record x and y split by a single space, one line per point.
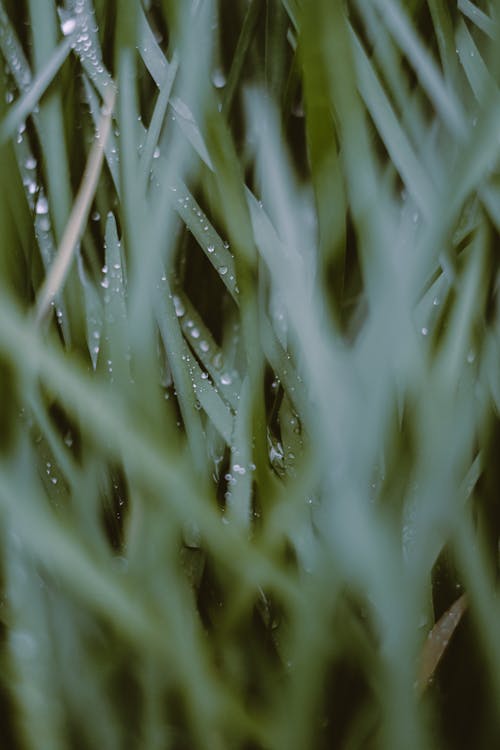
68 26
42 205
180 310
218 78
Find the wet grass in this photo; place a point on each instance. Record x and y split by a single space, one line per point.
250 367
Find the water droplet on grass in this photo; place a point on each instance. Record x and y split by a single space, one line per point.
68 26
180 310
42 205
218 78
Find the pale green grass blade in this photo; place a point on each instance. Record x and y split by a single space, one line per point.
393 136
114 348
430 77
479 18
180 362
151 148
29 100
208 352
443 28
87 46
240 478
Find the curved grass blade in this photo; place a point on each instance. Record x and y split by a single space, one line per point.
76 223
438 640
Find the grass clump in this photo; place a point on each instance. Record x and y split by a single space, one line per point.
250 367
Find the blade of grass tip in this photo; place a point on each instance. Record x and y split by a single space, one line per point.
157 119
438 640
76 223
29 100
179 360
479 18
94 315
115 347
158 67
151 53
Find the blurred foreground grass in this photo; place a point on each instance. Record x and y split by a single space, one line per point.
250 374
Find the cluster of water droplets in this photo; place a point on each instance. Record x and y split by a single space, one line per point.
78 21
14 55
49 470
237 471
214 361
